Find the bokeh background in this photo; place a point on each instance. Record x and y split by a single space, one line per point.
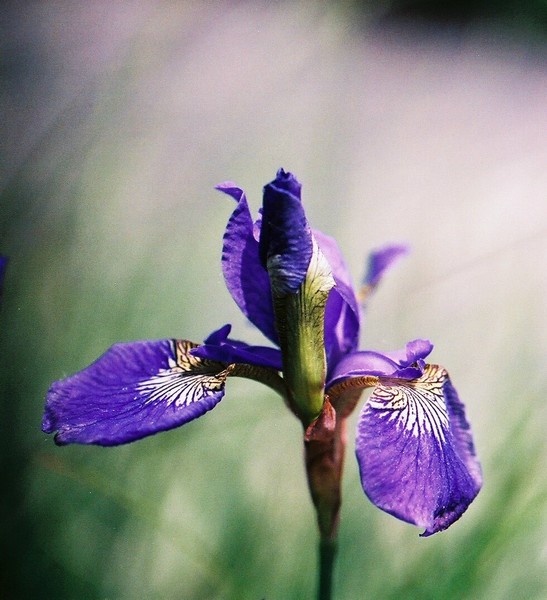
419 122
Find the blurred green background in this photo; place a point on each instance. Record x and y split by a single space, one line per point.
117 121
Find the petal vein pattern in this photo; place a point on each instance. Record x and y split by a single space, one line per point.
415 406
189 379
133 390
415 451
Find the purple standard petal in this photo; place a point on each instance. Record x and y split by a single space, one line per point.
415 451
286 243
342 310
246 278
380 260
133 390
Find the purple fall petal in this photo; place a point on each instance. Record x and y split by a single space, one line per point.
246 278
133 390
416 453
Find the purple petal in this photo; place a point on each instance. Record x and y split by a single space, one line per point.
382 259
407 363
218 336
342 310
246 278
218 347
417 350
285 244
364 362
133 390
416 453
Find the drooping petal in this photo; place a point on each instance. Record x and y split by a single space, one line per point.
415 451
133 390
245 276
286 243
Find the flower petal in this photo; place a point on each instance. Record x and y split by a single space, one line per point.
407 363
285 244
245 276
219 347
342 310
364 362
133 390
380 260
415 451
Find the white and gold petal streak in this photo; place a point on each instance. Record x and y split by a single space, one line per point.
188 379
416 405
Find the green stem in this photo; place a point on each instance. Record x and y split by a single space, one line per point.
327 558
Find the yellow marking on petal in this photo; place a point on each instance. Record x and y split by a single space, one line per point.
188 380
417 404
352 383
364 293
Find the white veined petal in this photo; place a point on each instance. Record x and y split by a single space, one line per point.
189 379
415 405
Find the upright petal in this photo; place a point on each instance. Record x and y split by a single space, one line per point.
415 451
379 261
133 390
301 280
285 244
246 278
342 310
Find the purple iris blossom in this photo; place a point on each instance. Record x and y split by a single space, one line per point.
414 445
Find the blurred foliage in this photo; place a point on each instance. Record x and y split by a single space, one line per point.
119 119
524 20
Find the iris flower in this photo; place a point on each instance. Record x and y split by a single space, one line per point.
414 445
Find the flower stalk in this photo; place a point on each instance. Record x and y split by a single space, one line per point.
324 444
